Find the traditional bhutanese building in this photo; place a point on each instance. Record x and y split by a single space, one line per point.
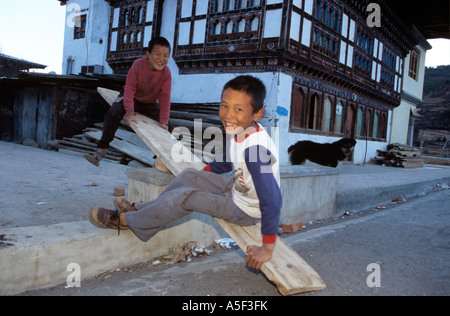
332 68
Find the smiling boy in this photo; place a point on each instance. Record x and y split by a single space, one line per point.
251 195
147 91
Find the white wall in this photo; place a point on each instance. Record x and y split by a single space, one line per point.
414 88
92 49
410 85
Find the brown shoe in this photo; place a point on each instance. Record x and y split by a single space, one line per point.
123 206
96 157
105 218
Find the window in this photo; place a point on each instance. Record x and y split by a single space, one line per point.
253 26
363 51
413 63
216 28
218 5
131 23
364 41
387 77
328 15
309 112
322 113
233 21
326 30
362 63
326 123
339 118
360 122
297 106
80 27
375 130
229 5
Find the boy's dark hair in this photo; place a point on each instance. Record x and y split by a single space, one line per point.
162 41
250 85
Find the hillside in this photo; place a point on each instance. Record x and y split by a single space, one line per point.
436 78
432 127
435 110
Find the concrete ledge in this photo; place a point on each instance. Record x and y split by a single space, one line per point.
309 192
146 184
37 257
288 171
149 175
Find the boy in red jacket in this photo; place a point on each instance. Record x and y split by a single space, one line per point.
149 81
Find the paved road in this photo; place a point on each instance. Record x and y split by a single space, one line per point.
407 244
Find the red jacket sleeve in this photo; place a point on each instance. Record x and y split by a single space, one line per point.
164 98
130 89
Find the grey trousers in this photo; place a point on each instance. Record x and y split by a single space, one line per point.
192 190
115 115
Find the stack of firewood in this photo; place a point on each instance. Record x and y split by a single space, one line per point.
398 155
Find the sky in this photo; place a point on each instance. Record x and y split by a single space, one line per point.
34 30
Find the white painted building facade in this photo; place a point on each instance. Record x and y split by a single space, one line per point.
413 81
90 48
348 76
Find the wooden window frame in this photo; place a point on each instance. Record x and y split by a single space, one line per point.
80 30
413 64
300 120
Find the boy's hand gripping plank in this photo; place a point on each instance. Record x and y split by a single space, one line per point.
290 273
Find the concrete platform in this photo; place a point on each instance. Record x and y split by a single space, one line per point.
45 198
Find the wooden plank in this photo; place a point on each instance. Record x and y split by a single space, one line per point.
141 154
130 137
110 96
125 135
172 153
409 153
413 163
286 269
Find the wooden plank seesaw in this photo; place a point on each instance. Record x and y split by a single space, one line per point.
286 269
